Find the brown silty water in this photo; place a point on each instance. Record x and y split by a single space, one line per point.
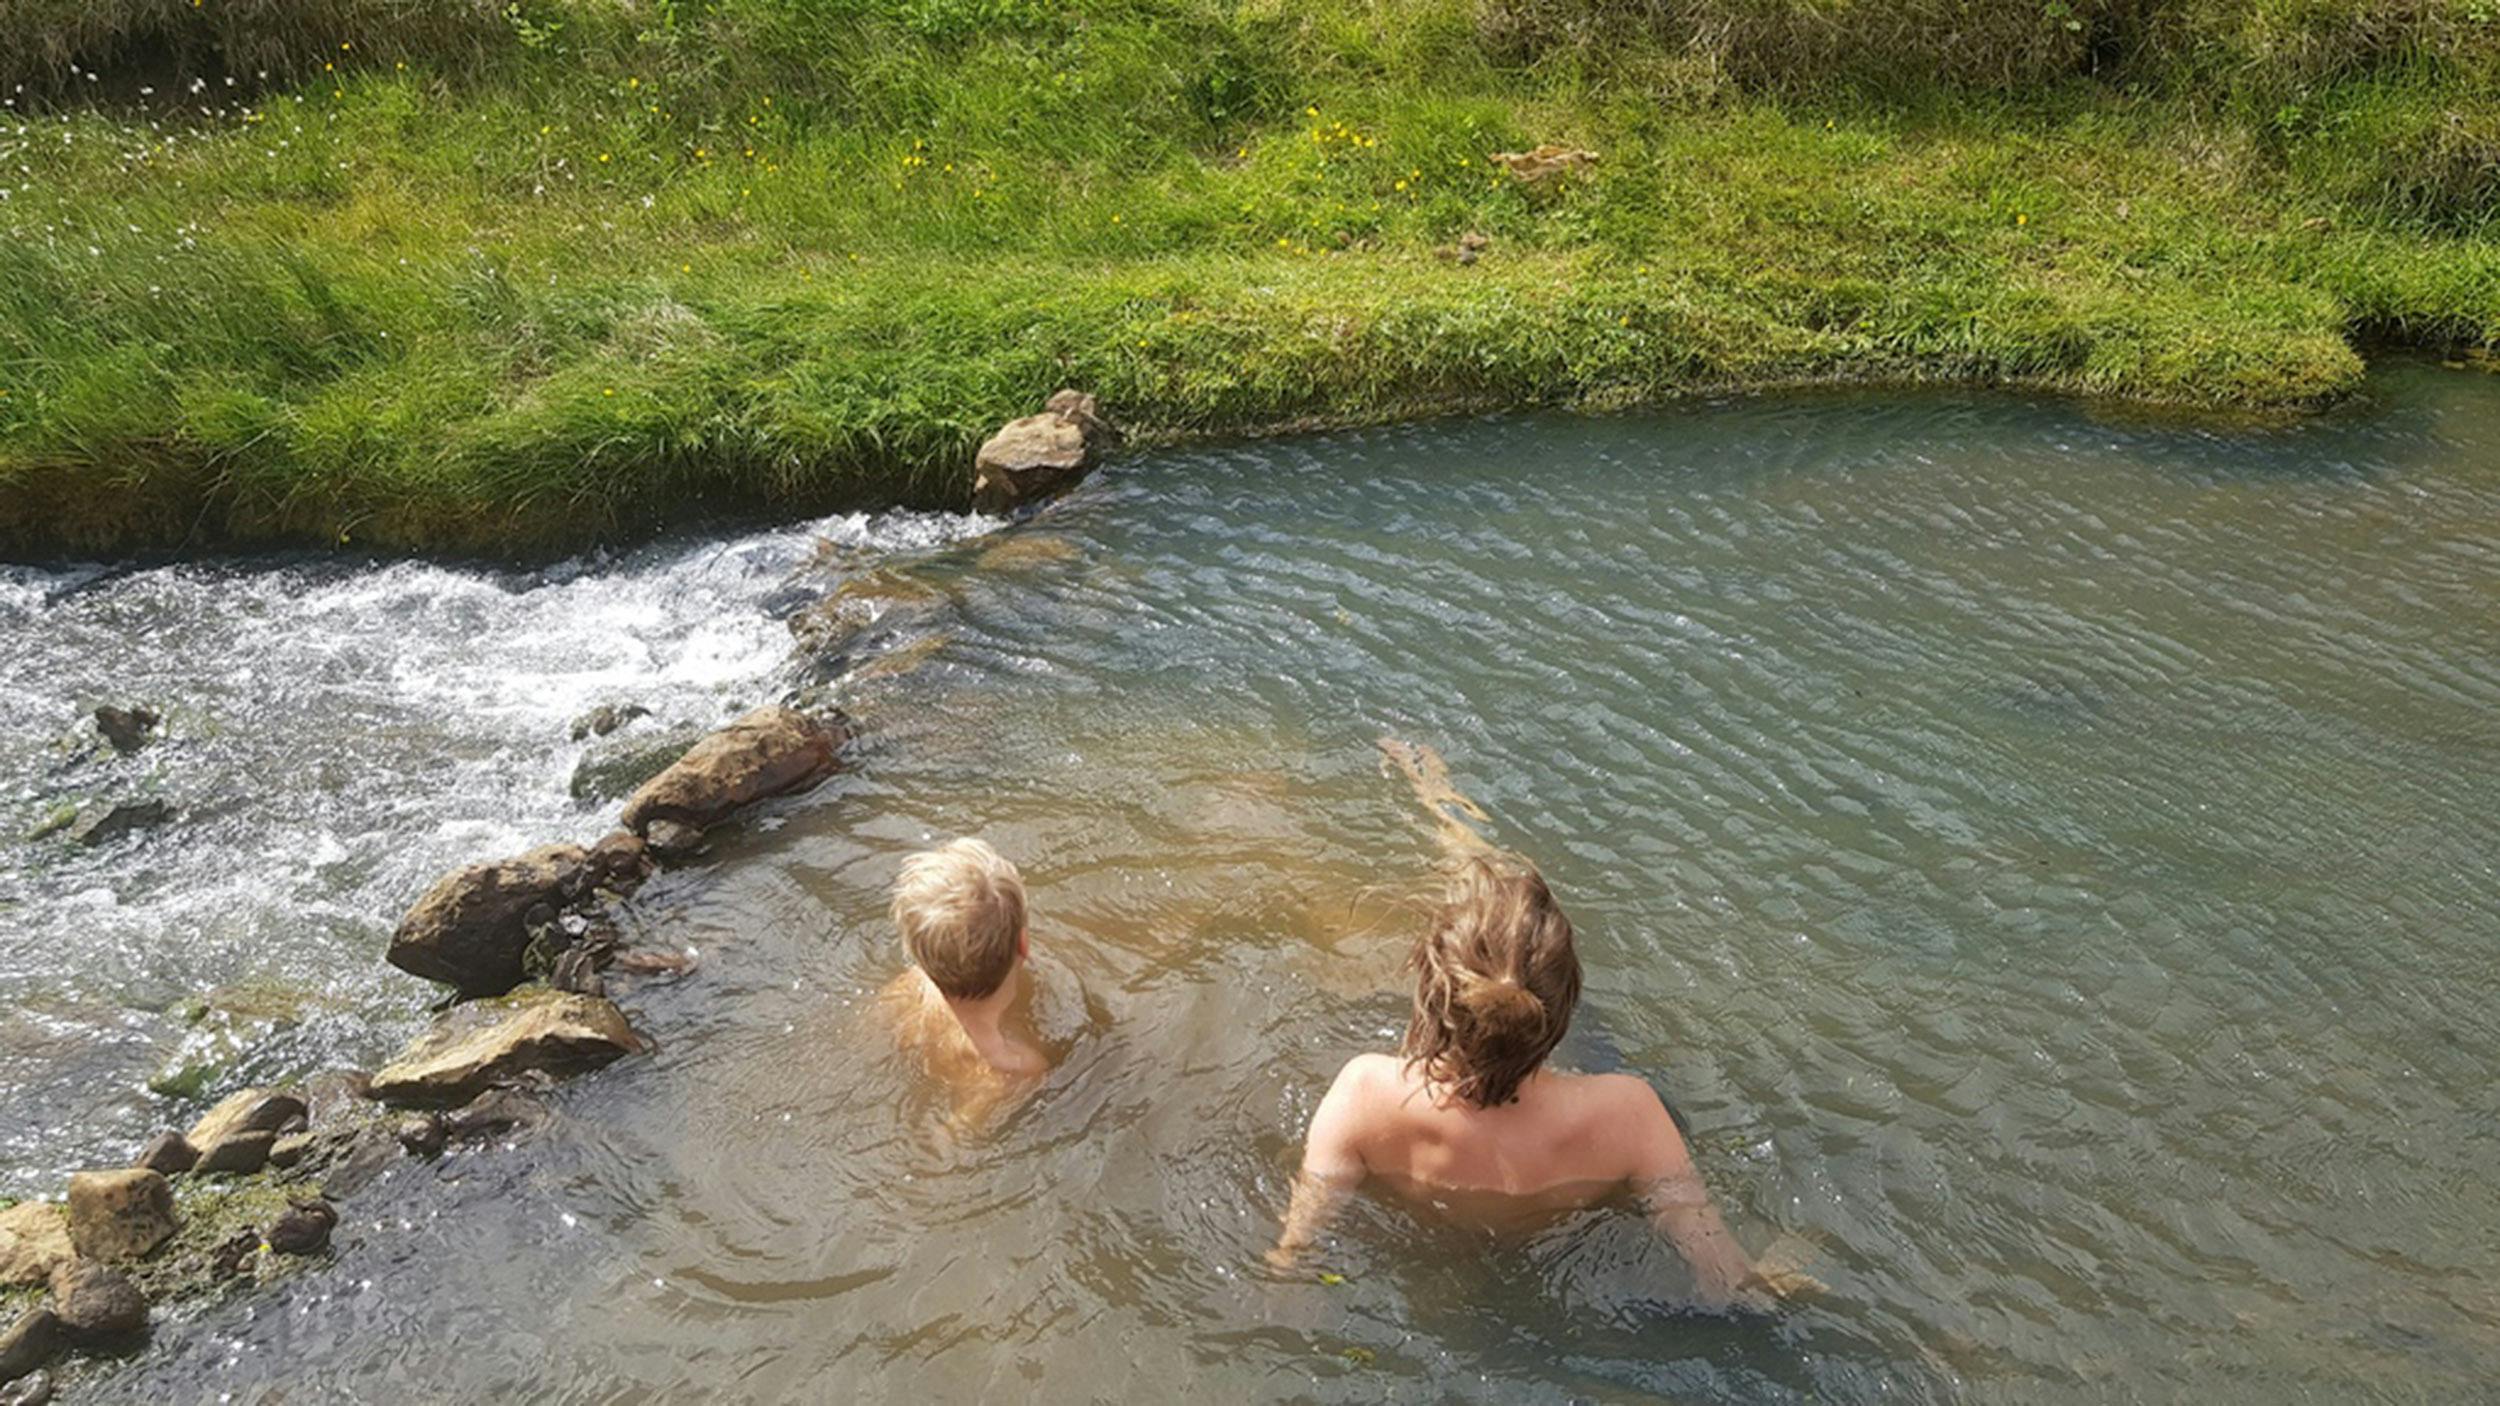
2046 858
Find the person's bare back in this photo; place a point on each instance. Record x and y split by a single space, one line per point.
1467 1112
1563 1141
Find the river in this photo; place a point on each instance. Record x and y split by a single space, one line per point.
2047 855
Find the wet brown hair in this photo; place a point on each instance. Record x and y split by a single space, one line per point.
1496 978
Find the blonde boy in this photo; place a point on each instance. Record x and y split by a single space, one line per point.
967 1002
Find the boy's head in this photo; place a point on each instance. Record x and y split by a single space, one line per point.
961 911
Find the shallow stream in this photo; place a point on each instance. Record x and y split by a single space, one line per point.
2048 858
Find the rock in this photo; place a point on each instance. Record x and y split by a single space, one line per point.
110 820
368 1153
470 929
1039 454
421 1134
34 1239
576 970
480 1045
654 963
606 718
768 752
241 1154
621 860
672 843
169 1154
236 1135
492 1112
333 1092
289 1149
33 1390
128 729
120 1215
1544 163
303 1228
612 769
29 1343
96 1302
228 1259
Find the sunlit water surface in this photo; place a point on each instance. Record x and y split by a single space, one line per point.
2048 859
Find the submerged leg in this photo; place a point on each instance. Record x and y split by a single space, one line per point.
1424 769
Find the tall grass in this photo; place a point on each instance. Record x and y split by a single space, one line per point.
523 277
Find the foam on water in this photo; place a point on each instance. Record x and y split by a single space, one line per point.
339 734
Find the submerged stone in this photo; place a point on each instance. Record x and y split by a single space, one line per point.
476 1046
768 752
610 769
471 928
127 729
606 718
120 1215
110 820
34 1239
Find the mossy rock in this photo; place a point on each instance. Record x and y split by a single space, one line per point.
611 769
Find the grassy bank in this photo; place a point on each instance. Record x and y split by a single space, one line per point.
488 277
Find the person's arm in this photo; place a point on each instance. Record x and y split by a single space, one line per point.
1679 1205
1332 1167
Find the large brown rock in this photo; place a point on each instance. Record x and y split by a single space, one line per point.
235 1136
96 1302
479 1045
120 1215
1039 454
765 753
470 928
34 1238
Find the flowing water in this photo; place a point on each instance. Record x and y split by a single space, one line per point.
2049 861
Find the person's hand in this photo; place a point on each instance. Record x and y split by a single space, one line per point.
1779 1272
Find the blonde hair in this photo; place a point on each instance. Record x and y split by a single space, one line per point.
1496 978
961 911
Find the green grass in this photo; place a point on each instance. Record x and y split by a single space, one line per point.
478 280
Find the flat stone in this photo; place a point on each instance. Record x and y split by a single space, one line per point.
34 1389
240 1154
236 1134
290 1149
97 1302
169 1154
34 1239
120 1215
479 1045
471 928
768 752
29 1343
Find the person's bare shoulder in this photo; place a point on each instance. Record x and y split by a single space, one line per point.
1624 1116
1370 1080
